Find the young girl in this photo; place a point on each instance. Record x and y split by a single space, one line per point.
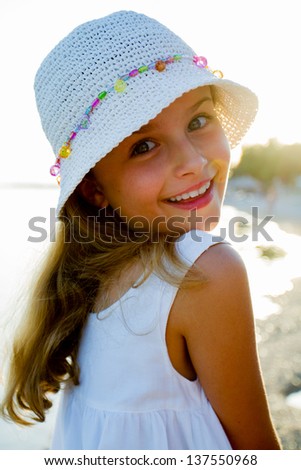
141 316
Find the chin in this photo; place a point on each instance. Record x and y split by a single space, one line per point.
208 225
207 222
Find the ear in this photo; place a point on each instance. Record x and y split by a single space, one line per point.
92 192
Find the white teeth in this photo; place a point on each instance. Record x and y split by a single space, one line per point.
191 194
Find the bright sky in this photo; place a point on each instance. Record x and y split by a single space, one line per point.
254 42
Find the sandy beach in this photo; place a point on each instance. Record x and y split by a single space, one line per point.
280 354
279 334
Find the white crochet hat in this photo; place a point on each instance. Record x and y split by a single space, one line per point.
112 75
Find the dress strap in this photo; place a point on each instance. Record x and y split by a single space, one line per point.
192 244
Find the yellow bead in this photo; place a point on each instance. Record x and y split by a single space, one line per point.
65 151
120 86
218 73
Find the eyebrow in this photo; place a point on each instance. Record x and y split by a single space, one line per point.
150 126
199 103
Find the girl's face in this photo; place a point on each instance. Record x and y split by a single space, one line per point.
170 175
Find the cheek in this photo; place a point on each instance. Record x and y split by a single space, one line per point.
134 187
143 179
221 157
222 146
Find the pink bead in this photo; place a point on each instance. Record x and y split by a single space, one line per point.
72 135
200 61
169 60
55 169
134 73
95 102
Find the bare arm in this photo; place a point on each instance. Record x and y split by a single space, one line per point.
219 330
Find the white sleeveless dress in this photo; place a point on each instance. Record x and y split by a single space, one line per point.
130 396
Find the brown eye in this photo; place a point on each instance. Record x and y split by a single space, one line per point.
198 123
143 147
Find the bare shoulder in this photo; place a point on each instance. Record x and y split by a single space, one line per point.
221 261
221 306
216 320
226 287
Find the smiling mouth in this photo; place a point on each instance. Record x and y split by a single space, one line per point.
191 195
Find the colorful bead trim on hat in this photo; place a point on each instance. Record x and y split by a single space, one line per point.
119 86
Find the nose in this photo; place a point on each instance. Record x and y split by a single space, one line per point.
187 158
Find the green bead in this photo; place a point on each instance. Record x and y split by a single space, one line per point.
142 69
84 124
177 57
102 95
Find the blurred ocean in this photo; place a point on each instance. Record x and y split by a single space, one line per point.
271 266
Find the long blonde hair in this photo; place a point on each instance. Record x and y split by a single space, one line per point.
86 254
